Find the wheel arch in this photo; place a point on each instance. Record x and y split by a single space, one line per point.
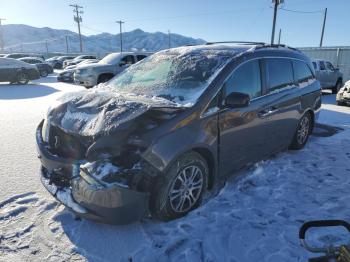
111 75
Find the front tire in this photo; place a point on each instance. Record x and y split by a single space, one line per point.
302 133
44 73
181 189
22 78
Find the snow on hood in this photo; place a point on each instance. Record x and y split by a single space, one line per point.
94 112
92 65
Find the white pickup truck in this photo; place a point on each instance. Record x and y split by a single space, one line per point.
329 76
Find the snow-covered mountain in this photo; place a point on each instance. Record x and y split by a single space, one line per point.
24 38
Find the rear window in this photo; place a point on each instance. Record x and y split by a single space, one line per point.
280 73
315 65
302 72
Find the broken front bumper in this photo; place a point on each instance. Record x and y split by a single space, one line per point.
109 204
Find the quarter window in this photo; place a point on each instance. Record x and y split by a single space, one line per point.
246 79
302 72
280 73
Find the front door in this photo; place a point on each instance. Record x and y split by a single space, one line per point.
242 133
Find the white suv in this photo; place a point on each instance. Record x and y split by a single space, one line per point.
111 65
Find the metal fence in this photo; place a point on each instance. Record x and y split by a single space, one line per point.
339 56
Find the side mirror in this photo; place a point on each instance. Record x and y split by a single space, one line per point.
123 63
237 100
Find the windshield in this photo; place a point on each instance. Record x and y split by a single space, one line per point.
180 78
110 59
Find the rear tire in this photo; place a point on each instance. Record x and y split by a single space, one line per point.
340 103
181 189
22 78
337 87
302 133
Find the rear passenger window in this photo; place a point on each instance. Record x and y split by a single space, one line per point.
302 72
140 57
129 59
280 73
246 79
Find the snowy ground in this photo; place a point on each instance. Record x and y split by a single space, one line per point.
255 217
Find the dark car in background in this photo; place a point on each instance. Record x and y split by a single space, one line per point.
67 75
21 55
329 76
57 62
43 67
15 71
154 138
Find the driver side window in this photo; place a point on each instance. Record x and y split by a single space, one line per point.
129 60
246 79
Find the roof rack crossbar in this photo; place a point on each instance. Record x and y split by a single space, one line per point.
236 42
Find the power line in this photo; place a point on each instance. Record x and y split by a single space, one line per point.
78 19
301 12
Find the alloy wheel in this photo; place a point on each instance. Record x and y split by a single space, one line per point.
303 130
186 189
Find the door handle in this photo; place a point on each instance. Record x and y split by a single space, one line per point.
267 112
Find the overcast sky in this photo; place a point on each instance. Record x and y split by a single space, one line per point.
207 19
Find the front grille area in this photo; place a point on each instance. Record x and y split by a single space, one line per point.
65 145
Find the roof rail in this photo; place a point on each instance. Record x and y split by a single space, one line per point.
277 46
236 42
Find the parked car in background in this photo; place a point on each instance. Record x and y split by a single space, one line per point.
67 74
43 67
329 76
15 71
77 60
20 55
57 62
164 130
107 68
343 96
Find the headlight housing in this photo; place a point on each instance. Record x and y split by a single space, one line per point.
46 130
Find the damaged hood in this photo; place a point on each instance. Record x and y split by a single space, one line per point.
100 112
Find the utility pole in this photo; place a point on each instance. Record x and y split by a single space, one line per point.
120 34
169 42
78 19
279 36
1 36
67 44
47 48
276 3
324 25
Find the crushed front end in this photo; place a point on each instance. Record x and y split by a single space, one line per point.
98 190
343 96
